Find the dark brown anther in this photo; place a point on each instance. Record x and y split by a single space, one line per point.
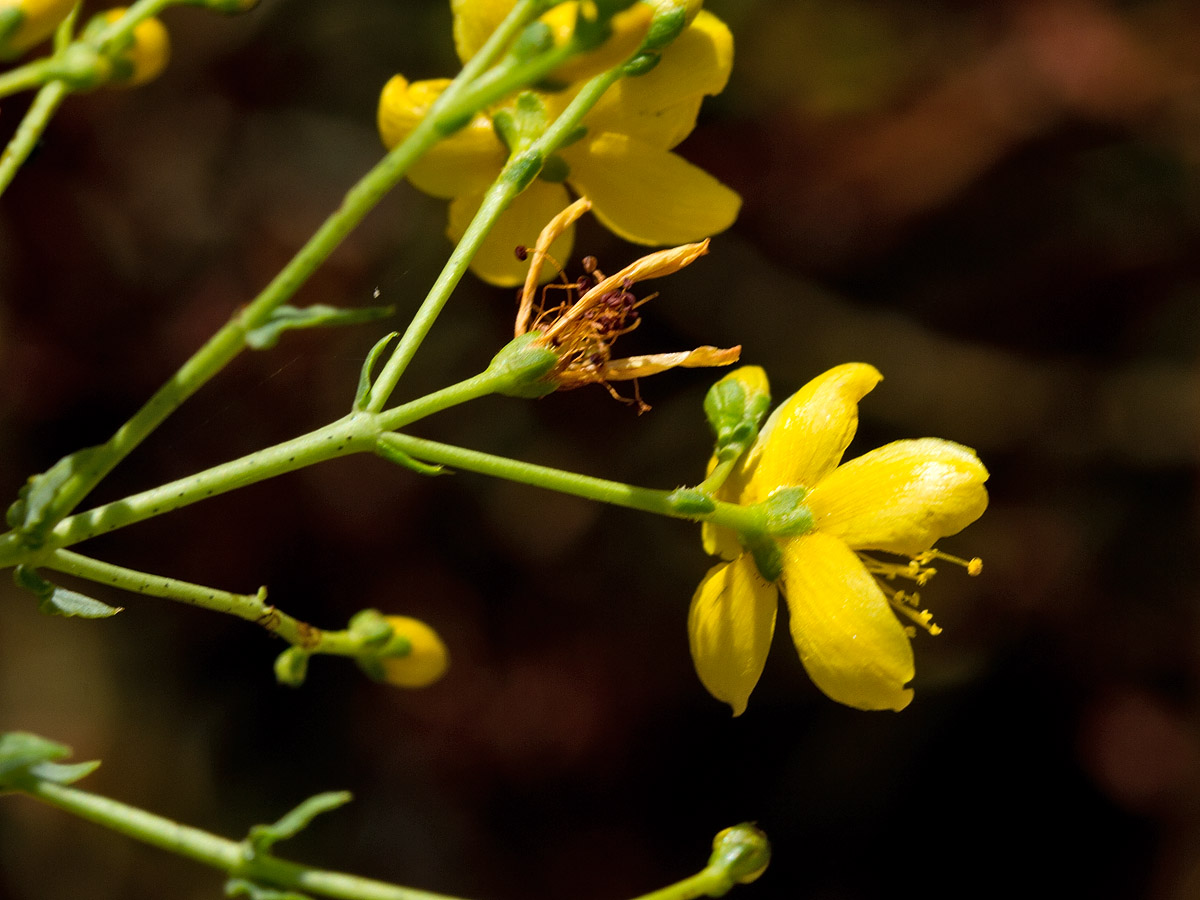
521 252
589 264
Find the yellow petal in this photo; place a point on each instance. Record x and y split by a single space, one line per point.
730 624
660 107
806 435
426 660
496 261
474 22
464 163
647 195
851 643
629 27
902 497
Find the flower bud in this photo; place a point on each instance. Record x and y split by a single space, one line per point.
145 54
742 851
423 662
734 407
26 23
670 18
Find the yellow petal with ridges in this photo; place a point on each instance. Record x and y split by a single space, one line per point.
496 261
647 195
851 643
902 497
464 163
806 435
730 624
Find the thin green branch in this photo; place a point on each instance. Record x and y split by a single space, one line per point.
31 128
239 859
251 607
663 503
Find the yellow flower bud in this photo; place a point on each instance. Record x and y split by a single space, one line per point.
426 660
147 54
26 23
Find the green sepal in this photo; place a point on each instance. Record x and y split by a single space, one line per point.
536 39
320 315
642 64
41 502
367 373
524 362
767 556
262 838
26 757
372 667
691 502
370 628
240 887
10 20
665 27
291 666
385 448
734 407
555 170
787 516
57 601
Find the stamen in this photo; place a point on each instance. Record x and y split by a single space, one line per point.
907 605
974 565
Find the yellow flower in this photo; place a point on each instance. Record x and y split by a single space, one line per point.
900 499
426 659
146 55
26 23
640 190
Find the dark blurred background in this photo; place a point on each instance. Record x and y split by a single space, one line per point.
995 203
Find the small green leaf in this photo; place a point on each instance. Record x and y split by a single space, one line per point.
385 447
366 376
64 774
63 602
27 757
263 837
240 887
39 504
20 750
319 315
56 601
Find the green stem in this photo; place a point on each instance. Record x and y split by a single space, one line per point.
218 852
355 433
251 607
650 500
129 20
30 129
28 76
513 179
236 859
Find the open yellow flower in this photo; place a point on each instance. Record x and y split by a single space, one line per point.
640 190
900 499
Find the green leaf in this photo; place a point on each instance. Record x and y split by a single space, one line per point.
240 887
57 601
20 750
25 757
263 837
42 502
385 447
367 376
63 602
319 315
64 774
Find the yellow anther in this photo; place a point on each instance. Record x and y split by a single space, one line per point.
975 566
